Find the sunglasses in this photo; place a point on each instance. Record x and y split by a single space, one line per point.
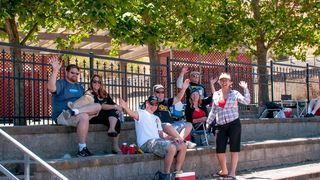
160 92
94 81
74 73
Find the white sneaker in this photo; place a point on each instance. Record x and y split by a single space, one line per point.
190 145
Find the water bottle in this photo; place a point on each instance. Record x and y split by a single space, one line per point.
121 117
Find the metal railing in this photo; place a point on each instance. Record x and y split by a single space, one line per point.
27 155
130 79
302 82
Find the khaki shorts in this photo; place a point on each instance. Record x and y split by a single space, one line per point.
157 146
72 121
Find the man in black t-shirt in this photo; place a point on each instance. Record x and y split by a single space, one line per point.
176 129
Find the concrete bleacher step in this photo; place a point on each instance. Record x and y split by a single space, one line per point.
201 160
305 170
16 167
266 142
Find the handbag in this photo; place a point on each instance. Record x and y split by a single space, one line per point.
85 99
161 176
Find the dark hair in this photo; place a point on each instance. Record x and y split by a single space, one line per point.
71 66
191 100
102 93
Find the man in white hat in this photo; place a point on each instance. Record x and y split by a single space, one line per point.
176 129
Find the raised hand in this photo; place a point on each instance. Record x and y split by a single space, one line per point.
184 70
123 104
186 84
243 84
55 63
213 80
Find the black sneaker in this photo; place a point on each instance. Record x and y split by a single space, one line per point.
309 115
84 152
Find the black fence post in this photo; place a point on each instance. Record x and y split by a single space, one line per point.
307 82
271 79
226 65
91 64
168 77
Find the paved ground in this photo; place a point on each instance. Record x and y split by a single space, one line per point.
301 171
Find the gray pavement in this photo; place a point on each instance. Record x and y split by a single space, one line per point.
302 171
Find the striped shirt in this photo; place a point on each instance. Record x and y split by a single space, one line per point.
230 112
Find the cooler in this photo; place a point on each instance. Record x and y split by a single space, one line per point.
288 112
186 176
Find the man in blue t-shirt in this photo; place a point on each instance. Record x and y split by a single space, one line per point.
68 90
176 129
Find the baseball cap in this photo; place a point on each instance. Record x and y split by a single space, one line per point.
224 76
157 86
193 73
152 98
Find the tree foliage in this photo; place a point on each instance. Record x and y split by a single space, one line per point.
261 26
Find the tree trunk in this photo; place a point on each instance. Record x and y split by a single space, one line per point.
262 72
19 105
154 70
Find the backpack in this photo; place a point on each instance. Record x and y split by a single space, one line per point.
177 110
160 176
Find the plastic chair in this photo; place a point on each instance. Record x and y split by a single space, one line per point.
198 130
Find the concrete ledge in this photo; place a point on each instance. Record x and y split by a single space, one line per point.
201 160
54 141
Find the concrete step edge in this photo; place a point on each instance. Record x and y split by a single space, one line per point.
116 159
305 170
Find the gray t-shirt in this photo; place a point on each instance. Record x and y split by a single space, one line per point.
65 92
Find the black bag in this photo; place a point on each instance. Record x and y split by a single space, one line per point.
160 176
272 106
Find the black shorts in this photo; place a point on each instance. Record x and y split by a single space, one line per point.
103 118
231 132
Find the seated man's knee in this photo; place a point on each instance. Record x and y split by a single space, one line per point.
172 148
97 106
188 125
167 126
183 147
83 117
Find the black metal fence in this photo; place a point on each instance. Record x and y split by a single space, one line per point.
26 100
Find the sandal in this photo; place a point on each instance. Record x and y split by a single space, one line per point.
112 134
230 178
219 174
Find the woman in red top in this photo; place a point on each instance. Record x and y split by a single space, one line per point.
198 112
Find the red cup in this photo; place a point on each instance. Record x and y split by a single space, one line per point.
124 148
132 149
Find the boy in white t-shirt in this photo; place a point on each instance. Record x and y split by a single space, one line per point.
152 139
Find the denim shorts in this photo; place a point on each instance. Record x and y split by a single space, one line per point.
178 125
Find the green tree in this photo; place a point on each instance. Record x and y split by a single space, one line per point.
138 22
20 20
283 27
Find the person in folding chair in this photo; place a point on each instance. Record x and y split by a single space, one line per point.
313 108
225 112
177 129
197 115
